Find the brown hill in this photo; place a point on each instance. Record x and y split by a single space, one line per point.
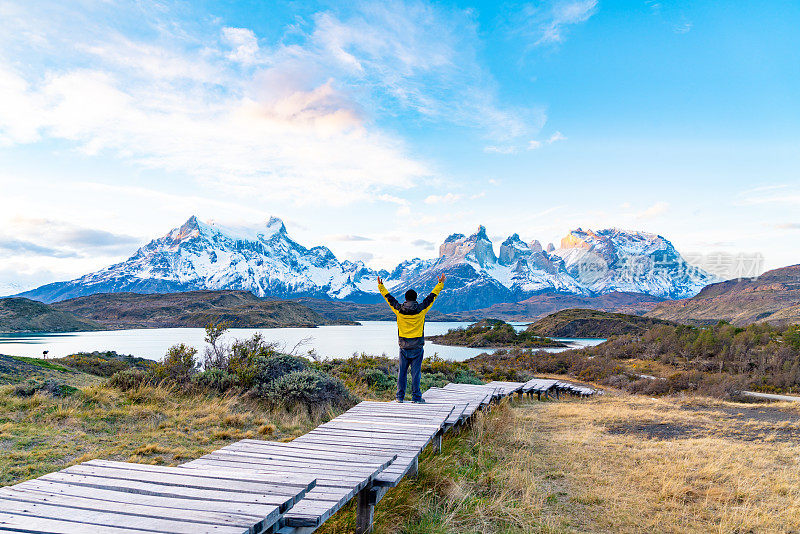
192 309
18 314
773 297
578 322
544 304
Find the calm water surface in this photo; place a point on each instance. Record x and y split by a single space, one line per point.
372 337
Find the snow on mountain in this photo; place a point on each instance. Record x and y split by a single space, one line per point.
199 255
267 262
639 262
10 288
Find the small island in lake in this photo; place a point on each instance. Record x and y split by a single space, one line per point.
493 333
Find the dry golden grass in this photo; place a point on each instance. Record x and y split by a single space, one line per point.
635 464
41 434
618 463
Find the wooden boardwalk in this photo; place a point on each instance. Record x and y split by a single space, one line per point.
254 486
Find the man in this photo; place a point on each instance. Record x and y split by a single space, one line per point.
411 335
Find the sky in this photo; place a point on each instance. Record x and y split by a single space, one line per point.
379 128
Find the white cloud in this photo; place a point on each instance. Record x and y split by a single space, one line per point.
557 136
533 144
500 149
244 45
545 23
659 208
448 198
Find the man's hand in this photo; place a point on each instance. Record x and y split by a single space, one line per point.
442 278
380 281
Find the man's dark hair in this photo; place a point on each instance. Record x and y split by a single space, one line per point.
411 295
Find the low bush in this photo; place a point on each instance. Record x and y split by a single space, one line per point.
217 380
274 367
307 387
54 388
178 366
104 363
131 379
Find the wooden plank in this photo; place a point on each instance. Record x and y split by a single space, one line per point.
284 479
311 448
182 480
272 447
151 510
31 513
168 491
50 488
45 525
295 463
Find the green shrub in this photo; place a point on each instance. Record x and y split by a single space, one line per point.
54 388
217 380
307 387
104 363
274 367
178 366
379 379
130 379
25 389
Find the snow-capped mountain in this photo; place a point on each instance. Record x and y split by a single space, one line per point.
268 262
616 260
198 255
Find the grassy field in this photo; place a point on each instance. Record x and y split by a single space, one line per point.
619 463
40 434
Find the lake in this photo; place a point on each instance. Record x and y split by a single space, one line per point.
372 337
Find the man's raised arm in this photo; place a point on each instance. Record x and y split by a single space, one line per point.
388 296
428 302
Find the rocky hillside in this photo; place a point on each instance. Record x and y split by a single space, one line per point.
267 262
493 333
543 304
773 297
23 315
193 309
578 322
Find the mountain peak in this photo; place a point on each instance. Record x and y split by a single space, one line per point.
481 233
275 226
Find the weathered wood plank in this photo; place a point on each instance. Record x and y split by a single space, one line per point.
154 510
31 513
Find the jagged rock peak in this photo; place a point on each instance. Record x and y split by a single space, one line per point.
475 248
275 226
535 246
513 249
550 247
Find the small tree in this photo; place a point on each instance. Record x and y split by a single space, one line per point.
178 365
215 356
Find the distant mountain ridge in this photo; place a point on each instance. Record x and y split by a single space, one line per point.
268 262
192 309
19 314
773 297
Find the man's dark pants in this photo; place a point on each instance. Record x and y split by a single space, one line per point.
410 358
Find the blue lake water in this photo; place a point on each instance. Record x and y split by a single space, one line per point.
372 337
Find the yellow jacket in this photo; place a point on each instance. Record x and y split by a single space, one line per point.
411 316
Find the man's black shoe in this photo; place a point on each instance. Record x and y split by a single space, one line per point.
421 401
400 400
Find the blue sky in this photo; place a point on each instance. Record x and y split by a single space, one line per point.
380 128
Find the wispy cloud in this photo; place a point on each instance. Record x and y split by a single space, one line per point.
427 245
347 238
61 239
546 23
659 208
448 198
252 119
533 144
